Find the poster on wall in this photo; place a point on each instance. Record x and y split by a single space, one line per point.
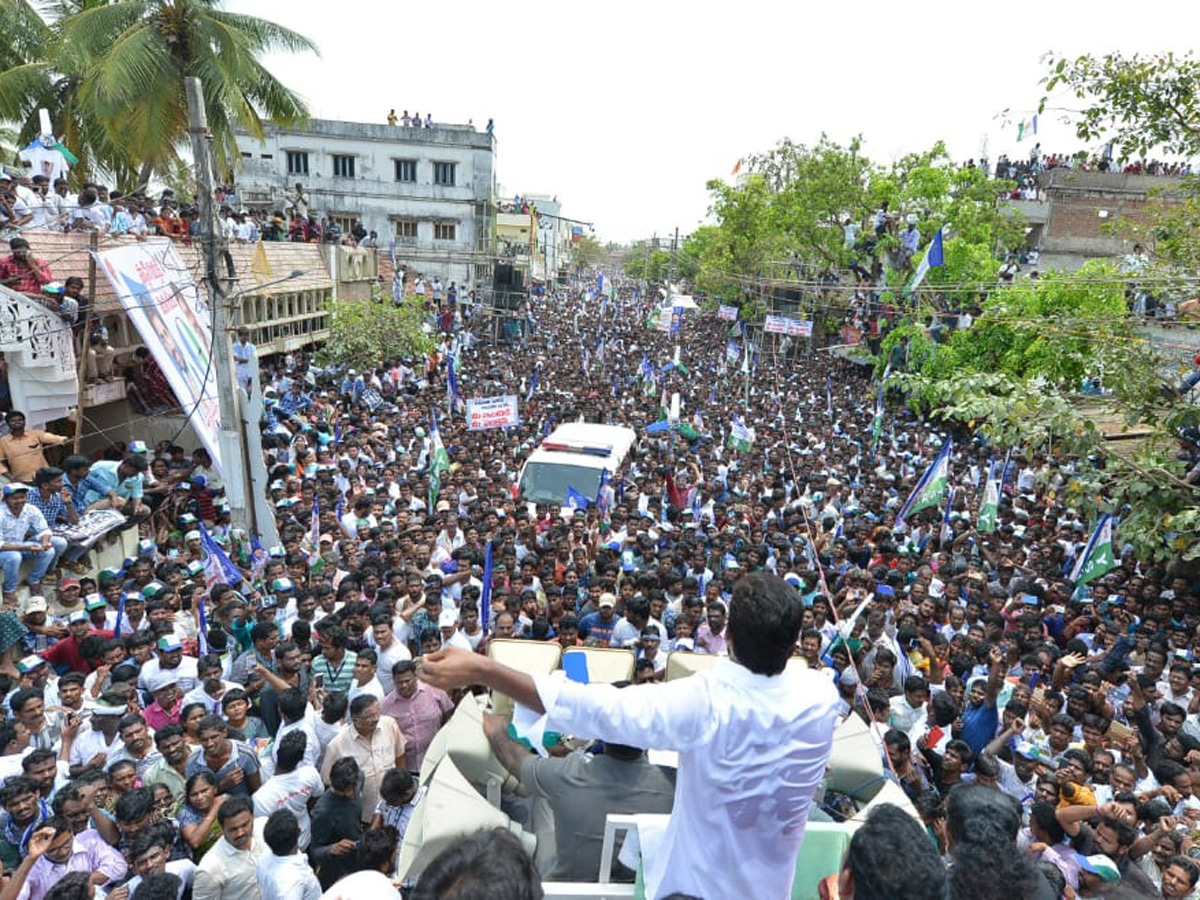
162 300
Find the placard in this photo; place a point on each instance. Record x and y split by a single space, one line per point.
728 313
775 325
492 412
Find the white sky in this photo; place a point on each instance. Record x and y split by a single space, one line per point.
625 109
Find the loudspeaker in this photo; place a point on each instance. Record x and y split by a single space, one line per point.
855 763
502 276
462 740
530 657
605 665
449 810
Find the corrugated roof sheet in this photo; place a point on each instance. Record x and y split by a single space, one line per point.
67 254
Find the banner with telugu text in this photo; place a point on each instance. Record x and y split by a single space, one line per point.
162 300
492 412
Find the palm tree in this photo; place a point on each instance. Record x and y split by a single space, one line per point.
111 72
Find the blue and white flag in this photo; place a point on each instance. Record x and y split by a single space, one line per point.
533 382
485 593
934 256
218 567
202 637
314 536
452 381
945 534
576 499
602 494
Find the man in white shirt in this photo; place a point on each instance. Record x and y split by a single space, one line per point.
246 357
229 870
292 786
284 873
753 739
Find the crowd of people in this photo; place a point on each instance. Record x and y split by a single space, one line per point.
171 729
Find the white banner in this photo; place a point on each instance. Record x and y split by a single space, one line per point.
728 313
173 318
775 325
492 412
798 328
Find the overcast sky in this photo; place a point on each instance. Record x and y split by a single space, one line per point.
625 109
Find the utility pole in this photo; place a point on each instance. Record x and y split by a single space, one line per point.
674 248
212 241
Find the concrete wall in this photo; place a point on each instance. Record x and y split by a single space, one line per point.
374 196
1085 207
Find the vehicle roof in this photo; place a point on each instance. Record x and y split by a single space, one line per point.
616 436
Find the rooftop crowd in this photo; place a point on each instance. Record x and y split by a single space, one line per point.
1048 739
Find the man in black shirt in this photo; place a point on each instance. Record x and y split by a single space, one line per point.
337 824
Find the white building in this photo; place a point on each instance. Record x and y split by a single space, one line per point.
429 188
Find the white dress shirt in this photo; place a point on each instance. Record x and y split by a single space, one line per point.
292 790
226 873
752 752
287 878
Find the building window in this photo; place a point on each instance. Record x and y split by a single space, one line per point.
343 166
297 162
345 221
246 155
445 231
406 170
443 173
406 229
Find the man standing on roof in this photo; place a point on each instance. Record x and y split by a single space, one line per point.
753 739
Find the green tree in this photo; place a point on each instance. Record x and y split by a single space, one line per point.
1136 101
641 261
587 253
111 74
363 334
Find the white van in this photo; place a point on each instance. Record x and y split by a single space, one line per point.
573 455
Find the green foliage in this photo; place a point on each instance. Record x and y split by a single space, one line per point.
643 262
587 253
1138 101
363 334
791 211
111 75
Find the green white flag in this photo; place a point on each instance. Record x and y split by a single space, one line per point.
439 462
931 489
1097 558
986 522
740 435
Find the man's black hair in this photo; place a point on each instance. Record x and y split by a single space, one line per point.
764 621
487 865
234 806
289 752
158 886
377 847
282 831
134 804
72 886
344 774
891 858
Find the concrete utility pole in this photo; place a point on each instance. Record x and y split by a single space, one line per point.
674 249
212 240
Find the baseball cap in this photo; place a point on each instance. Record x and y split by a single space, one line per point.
14 487
447 618
1099 864
606 600
94 601
78 616
282 584
33 604
67 583
161 679
169 643
27 664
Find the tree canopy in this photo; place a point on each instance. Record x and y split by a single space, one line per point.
111 73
